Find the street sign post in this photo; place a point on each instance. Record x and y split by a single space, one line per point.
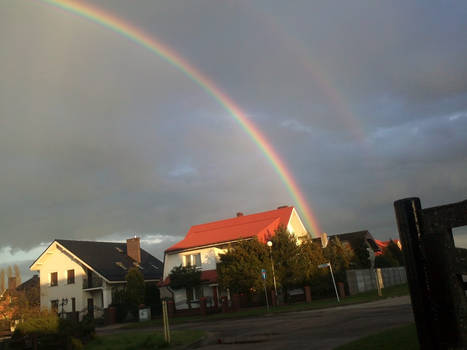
328 264
263 276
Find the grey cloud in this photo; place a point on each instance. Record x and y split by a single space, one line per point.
365 103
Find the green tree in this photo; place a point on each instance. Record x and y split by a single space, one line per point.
152 298
187 277
134 289
318 279
240 267
289 263
312 255
361 256
339 255
392 256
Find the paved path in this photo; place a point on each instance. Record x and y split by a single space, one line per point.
316 329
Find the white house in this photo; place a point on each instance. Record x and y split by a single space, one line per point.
203 244
80 276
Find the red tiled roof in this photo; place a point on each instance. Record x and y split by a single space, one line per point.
259 225
384 244
208 276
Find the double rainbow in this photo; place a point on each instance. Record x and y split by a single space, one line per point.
154 45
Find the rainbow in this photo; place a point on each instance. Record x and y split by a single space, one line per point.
154 45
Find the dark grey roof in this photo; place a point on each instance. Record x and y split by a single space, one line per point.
107 259
30 283
355 238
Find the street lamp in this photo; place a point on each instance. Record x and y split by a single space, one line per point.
272 266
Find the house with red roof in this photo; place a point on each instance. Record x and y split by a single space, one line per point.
203 244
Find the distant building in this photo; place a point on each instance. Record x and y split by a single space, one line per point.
358 239
384 244
31 290
80 276
203 244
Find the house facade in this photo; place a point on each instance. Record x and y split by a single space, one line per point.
204 243
79 277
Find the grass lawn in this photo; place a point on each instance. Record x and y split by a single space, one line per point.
404 337
260 311
153 340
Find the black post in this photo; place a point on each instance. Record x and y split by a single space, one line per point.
410 225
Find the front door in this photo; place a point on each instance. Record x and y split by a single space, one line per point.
91 307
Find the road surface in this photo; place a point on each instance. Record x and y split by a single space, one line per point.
316 329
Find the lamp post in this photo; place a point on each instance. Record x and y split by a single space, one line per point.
272 266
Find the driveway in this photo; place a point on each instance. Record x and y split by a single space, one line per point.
317 329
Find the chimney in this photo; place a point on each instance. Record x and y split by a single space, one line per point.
282 207
11 283
239 214
133 250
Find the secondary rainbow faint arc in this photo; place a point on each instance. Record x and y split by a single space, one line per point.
156 46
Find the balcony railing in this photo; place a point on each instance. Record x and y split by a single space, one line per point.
93 282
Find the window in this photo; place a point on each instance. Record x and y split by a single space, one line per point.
194 293
70 276
54 305
54 279
192 260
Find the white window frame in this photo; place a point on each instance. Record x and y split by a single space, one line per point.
190 260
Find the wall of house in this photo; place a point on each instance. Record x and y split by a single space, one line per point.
57 261
209 259
181 300
296 226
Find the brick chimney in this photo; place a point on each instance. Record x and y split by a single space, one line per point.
133 249
239 214
11 283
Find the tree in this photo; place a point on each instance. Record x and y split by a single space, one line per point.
318 279
391 257
188 277
185 277
240 267
17 274
361 255
339 255
289 263
312 255
134 288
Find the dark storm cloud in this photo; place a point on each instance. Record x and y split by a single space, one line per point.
366 102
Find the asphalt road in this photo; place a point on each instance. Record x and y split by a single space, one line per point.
318 329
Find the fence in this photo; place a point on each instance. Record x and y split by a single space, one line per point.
365 279
435 269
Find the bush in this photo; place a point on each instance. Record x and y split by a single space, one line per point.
51 332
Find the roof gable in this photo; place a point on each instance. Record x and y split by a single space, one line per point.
259 225
110 260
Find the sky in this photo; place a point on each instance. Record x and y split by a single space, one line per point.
100 139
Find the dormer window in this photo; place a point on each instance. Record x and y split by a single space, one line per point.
120 250
192 260
119 264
